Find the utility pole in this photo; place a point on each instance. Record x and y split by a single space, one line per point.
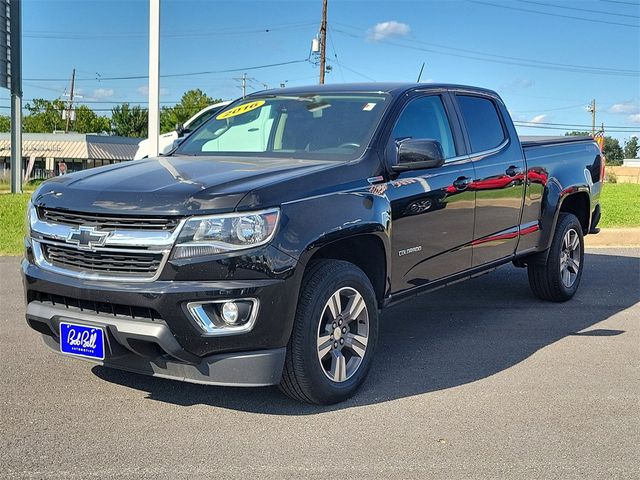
70 106
323 41
243 83
592 108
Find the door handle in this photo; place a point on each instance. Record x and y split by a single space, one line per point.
462 183
513 171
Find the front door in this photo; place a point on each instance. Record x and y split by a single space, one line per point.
432 210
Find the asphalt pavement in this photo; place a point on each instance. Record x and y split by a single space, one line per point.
479 380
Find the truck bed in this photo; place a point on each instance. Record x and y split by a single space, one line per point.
541 140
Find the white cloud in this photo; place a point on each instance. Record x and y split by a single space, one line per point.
388 29
635 118
630 106
538 119
144 90
103 93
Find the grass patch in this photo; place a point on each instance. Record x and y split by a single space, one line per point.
620 208
620 203
12 222
30 186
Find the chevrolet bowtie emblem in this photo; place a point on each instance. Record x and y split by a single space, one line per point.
87 237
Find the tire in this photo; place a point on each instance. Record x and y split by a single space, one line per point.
558 279
330 287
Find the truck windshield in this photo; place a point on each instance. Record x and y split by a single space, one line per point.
323 127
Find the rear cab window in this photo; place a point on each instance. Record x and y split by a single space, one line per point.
483 122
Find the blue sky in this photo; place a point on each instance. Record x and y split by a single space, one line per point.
494 43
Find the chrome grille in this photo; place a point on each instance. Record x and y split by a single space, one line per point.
128 264
108 222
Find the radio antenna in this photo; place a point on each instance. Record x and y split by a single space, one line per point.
420 74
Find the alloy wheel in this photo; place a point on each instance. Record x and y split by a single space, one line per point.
343 333
570 257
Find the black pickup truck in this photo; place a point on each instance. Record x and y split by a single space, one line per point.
263 248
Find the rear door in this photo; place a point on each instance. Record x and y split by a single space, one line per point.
431 209
499 180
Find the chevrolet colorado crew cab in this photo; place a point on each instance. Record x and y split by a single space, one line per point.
262 249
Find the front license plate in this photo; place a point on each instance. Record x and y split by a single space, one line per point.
82 340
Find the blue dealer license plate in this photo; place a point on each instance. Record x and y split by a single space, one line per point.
82 340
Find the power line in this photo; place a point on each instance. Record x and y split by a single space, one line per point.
55 35
549 109
535 61
620 1
501 59
553 14
596 12
173 75
371 79
335 54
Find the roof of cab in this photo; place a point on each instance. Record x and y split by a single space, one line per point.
371 87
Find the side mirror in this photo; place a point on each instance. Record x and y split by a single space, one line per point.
180 130
415 154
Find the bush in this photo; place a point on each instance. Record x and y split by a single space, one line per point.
610 177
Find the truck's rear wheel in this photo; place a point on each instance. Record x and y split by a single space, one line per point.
558 279
334 334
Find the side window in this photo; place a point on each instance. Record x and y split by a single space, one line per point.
201 119
426 118
482 121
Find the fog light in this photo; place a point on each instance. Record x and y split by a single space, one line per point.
230 313
224 317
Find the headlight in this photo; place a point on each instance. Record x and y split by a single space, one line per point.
226 233
30 219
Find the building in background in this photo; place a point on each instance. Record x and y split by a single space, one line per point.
49 154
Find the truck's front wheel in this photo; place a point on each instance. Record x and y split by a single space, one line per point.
334 334
558 278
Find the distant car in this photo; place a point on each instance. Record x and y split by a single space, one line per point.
167 139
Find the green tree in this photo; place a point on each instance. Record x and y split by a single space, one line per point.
88 122
44 116
5 123
631 148
612 151
191 103
128 121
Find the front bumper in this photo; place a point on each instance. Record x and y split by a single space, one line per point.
148 347
167 342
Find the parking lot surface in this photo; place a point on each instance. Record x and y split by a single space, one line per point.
478 380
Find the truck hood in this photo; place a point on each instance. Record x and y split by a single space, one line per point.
170 185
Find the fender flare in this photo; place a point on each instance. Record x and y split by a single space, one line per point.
554 198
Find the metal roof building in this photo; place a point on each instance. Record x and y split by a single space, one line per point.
43 153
